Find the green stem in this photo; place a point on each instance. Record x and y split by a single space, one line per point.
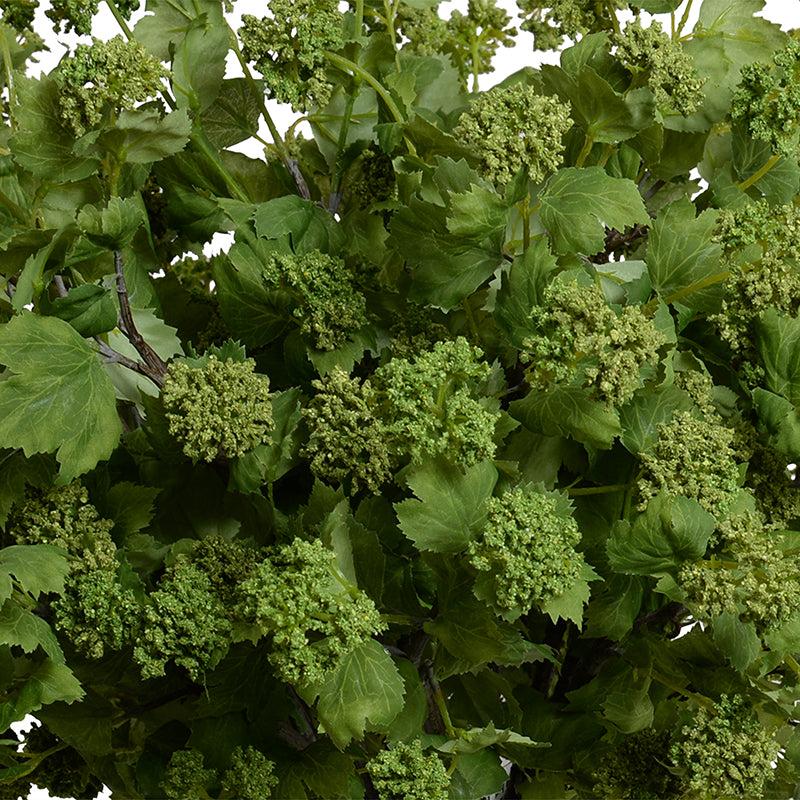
696 286
112 6
8 65
277 140
199 140
525 213
760 173
584 490
612 13
471 321
15 209
685 17
347 65
791 662
333 200
588 143
438 697
475 65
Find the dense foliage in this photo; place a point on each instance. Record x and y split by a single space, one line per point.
409 493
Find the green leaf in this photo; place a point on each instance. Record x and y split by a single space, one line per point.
778 343
450 266
30 283
738 640
568 411
780 420
409 722
578 203
22 628
234 114
670 531
477 775
521 290
58 399
613 612
268 463
648 409
40 144
450 507
254 314
130 506
114 225
627 701
39 568
570 604
285 215
683 260
198 63
366 689
89 308
50 682
144 136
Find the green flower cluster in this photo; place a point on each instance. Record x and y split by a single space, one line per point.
329 305
552 21
725 752
77 15
217 407
96 612
188 620
63 773
637 769
427 34
288 49
525 553
405 772
424 406
312 614
475 37
431 404
373 180
105 78
250 776
749 576
767 101
19 14
763 243
693 457
512 128
649 53
347 441
185 622
579 340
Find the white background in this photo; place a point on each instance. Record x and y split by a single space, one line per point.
785 12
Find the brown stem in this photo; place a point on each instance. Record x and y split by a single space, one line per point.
157 366
59 284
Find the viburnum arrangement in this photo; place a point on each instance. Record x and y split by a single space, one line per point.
410 493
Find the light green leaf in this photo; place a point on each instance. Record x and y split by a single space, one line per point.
39 568
58 398
114 225
89 308
234 114
670 531
781 421
683 260
570 604
50 682
40 144
366 689
778 343
613 613
450 507
16 472
568 411
267 463
738 640
144 136
198 63
647 409
521 290
578 203
22 628
476 213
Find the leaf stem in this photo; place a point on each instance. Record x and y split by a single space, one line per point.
685 17
760 173
698 698
8 66
112 7
588 144
277 140
584 490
